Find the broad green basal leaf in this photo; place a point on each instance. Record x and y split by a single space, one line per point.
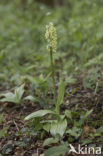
50 141
31 98
58 127
39 113
57 150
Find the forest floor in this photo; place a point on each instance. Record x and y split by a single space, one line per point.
20 139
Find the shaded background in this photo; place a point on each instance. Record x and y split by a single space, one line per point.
23 51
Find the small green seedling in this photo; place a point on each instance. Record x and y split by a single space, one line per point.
40 86
15 97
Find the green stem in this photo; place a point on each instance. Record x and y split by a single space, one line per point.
53 75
